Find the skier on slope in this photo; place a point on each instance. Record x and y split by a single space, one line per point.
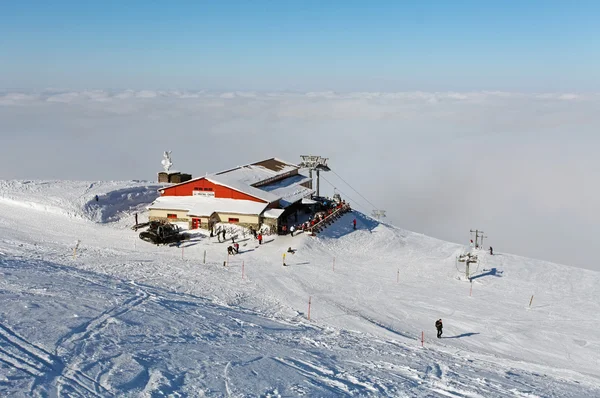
439 326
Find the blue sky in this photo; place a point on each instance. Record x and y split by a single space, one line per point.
301 45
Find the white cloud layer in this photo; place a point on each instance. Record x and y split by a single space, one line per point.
522 167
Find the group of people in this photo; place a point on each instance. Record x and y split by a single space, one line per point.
331 209
257 235
234 249
221 235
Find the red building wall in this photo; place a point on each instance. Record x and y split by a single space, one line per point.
187 189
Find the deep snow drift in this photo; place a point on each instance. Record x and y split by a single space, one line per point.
122 317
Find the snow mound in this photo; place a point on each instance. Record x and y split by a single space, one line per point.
77 199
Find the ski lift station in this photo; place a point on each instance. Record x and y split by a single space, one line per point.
270 192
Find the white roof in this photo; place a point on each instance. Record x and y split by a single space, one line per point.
231 182
289 190
253 173
184 203
241 179
207 206
273 213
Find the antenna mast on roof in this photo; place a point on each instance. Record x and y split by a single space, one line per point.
166 162
313 162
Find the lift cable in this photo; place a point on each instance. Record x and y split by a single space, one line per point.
374 207
345 195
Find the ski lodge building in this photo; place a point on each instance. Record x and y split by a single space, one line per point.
261 193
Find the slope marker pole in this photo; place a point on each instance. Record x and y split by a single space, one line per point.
422 339
530 301
204 262
471 290
75 248
242 270
309 300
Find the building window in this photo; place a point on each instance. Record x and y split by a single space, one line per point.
234 219
171 215
208 189
197 189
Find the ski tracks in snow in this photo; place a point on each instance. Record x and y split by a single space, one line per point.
41 364
337 382
21 354
65 365
74 342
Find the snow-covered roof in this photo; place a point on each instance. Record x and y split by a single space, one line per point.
273 213
205 206
290 189
258 172
231 182
184 203
255 180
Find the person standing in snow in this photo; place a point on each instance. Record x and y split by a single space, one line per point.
354 223
439 326
236 247
292 229
259 237
491 251
97 198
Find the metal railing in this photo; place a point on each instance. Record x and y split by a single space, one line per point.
330 218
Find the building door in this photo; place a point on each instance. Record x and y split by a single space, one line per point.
195 223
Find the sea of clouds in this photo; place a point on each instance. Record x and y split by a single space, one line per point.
523 167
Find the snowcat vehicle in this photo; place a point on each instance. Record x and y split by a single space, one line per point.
161 233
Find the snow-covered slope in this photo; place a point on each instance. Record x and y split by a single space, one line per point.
121 317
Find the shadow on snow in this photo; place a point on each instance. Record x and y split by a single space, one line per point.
491 272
